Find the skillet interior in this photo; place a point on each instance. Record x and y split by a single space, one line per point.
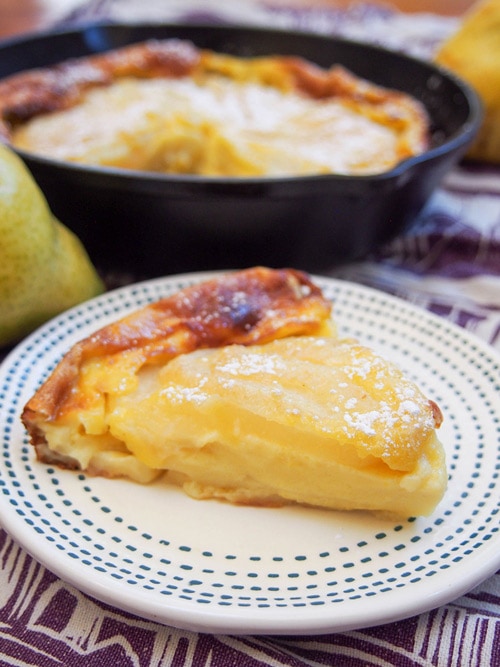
153 224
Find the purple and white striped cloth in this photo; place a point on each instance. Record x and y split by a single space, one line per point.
449 263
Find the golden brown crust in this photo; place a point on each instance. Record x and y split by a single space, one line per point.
28 94
33 92
247 307
437 415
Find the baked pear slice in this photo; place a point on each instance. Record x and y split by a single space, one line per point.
279 411
66 417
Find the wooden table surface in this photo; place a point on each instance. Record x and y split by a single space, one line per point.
21 16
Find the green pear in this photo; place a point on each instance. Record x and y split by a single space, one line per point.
44 268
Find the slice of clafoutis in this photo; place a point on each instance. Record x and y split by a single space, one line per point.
239 389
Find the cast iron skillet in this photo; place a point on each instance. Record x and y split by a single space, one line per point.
150 224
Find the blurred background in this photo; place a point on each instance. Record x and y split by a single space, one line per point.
18 16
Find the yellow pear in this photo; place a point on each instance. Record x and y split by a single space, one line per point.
473 53
44 269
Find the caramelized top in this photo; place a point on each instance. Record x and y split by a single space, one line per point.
400 119
37 91
248 307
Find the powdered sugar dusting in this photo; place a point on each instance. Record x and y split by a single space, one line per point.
272 133
325 388
179 394
251 364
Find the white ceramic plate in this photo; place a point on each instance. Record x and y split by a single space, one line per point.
209 566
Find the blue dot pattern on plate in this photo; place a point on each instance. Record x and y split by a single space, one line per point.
83 523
